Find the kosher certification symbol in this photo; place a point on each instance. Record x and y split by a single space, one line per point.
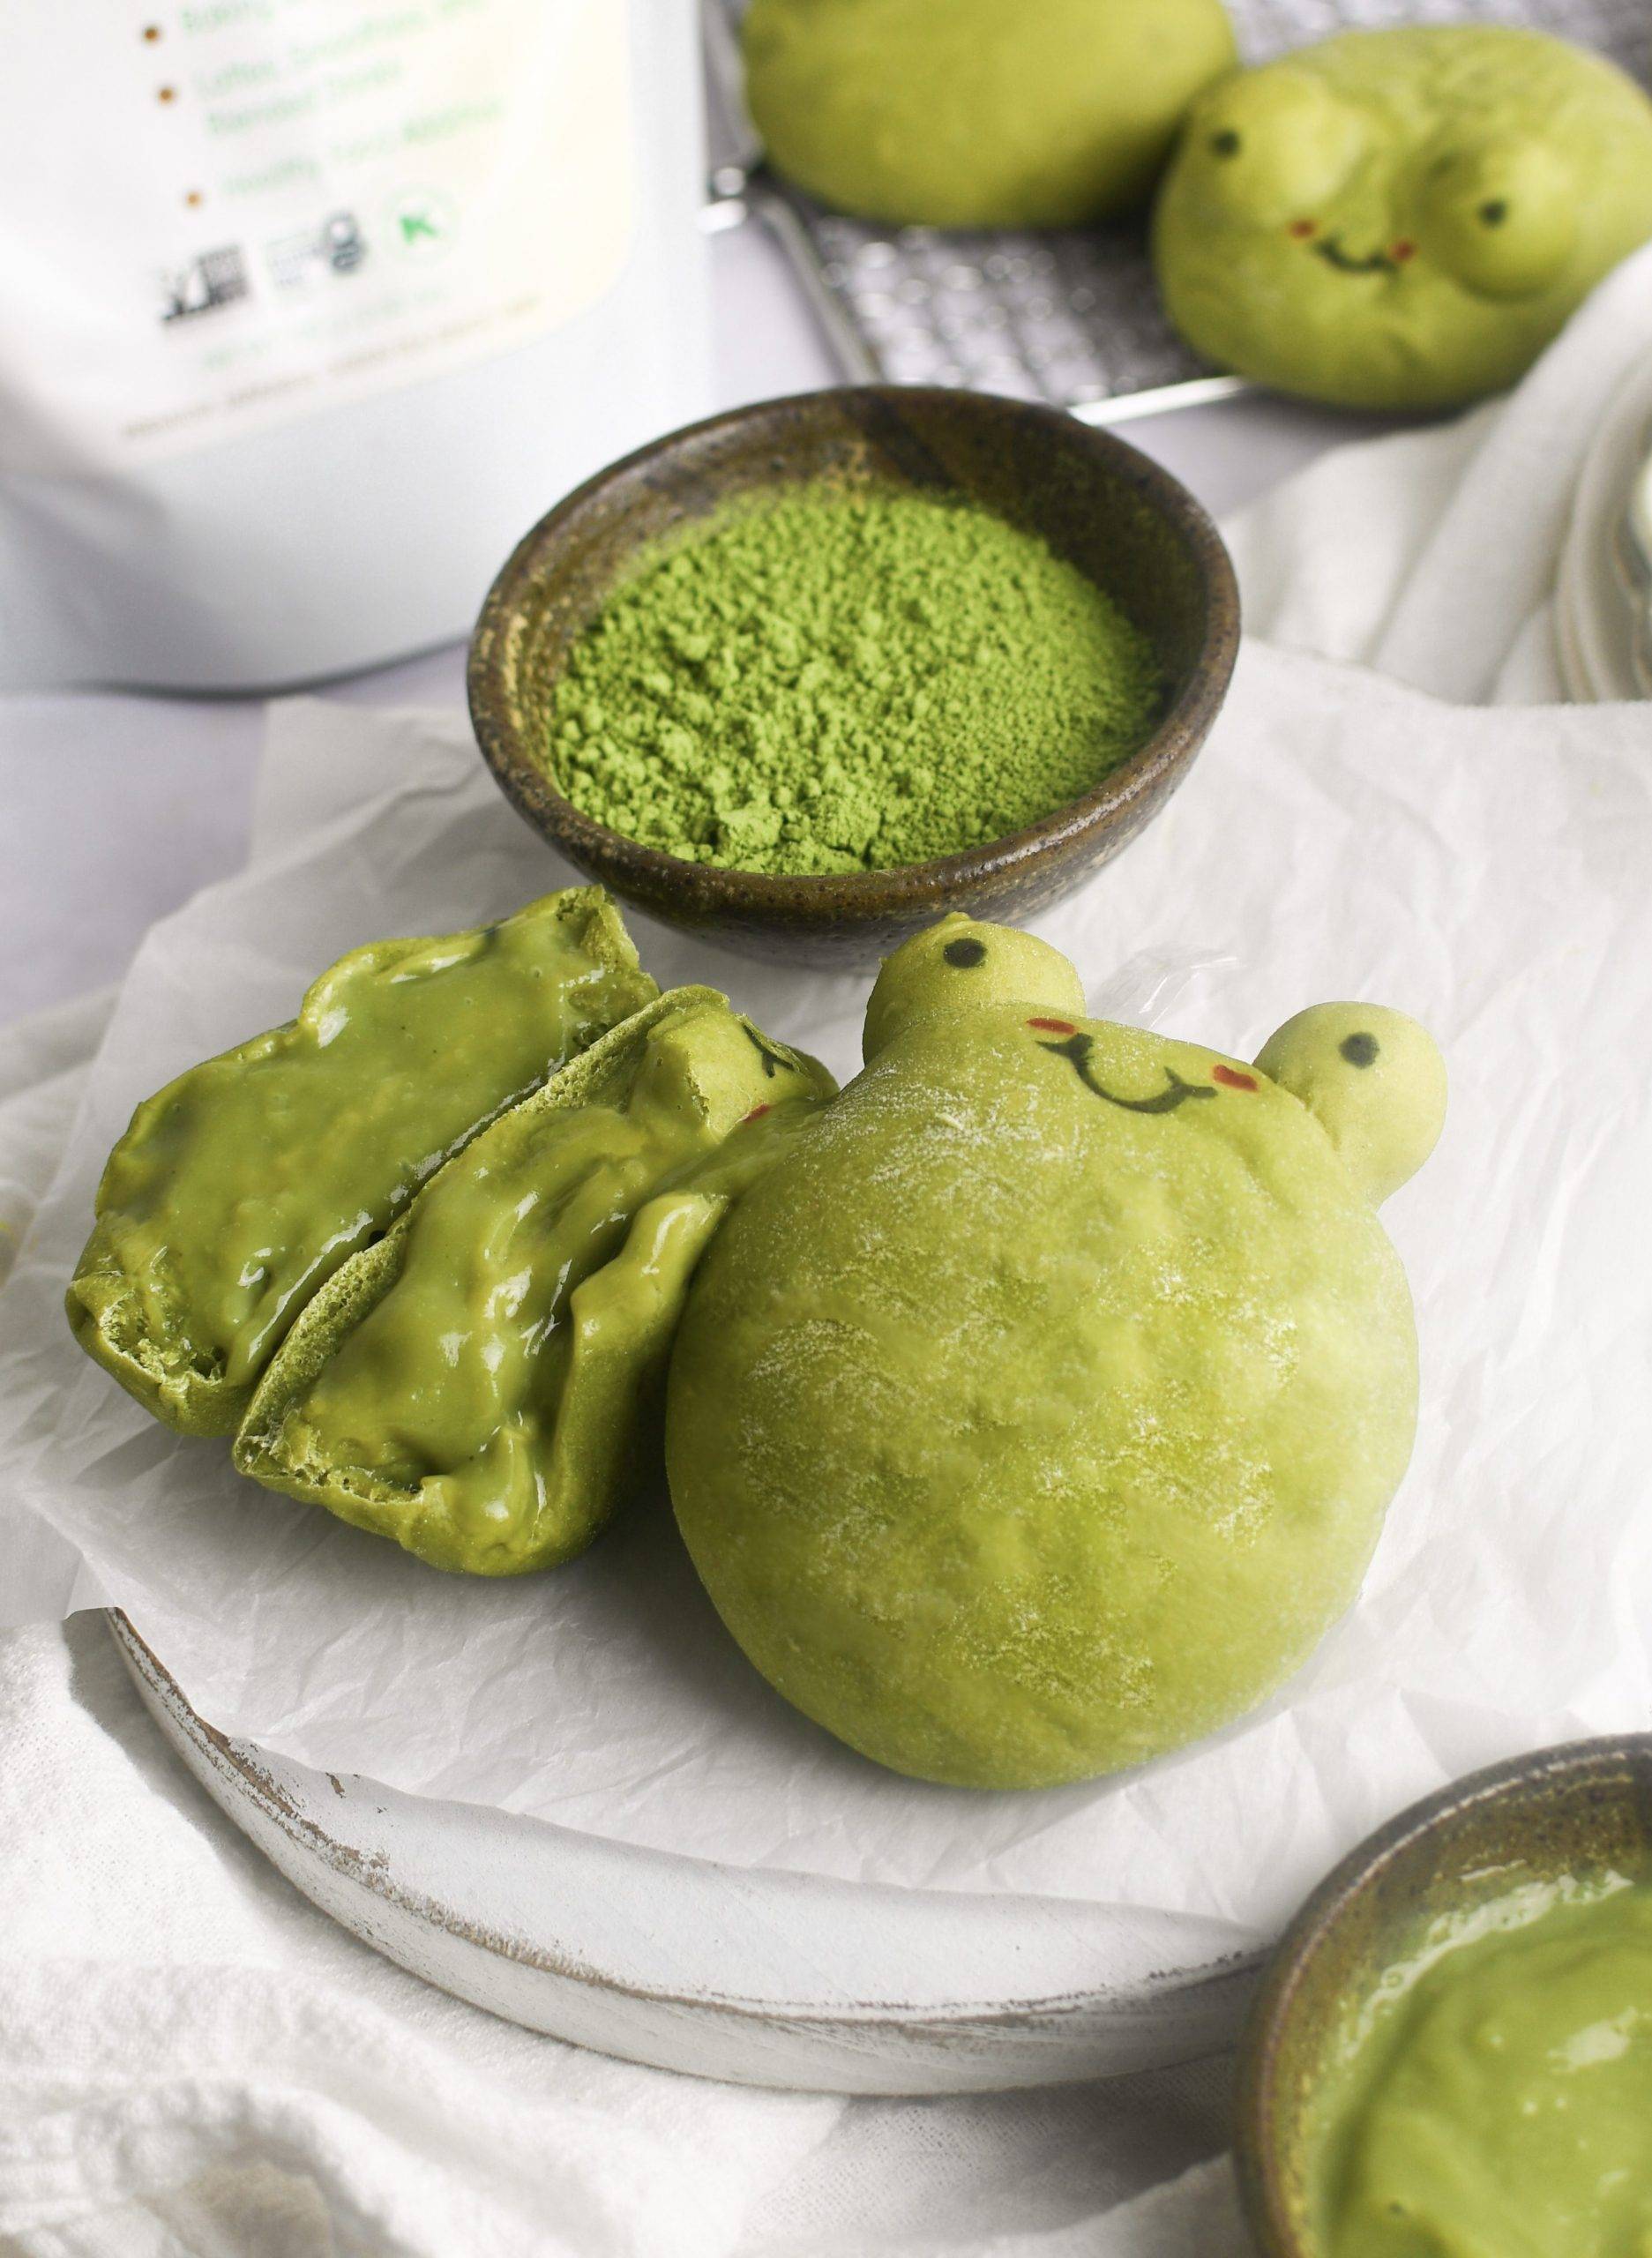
422 222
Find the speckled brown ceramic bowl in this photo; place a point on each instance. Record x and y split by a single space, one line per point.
1129 526
1575 1809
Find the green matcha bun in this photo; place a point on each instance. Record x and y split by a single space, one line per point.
1401 219
481 1384
978 113
240 1188
1037 1412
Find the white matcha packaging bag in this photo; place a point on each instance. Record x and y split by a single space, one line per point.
309 308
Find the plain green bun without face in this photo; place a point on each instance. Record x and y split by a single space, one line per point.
1401 219
1037 1414
978 113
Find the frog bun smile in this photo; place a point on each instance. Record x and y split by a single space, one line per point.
1038 1411
1373 1079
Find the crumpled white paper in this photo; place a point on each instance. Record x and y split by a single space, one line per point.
1485 870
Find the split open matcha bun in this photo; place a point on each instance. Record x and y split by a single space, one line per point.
241 1187
978 113
478 1384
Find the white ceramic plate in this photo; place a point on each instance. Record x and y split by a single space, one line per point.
767 1978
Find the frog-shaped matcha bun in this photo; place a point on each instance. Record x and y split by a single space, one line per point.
1037 1412
1401 219
978 113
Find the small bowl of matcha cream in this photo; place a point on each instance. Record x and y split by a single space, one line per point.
1450 2053
808 676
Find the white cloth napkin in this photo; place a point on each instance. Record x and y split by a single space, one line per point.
1431 557
194 2064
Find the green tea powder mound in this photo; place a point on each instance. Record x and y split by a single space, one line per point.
839 680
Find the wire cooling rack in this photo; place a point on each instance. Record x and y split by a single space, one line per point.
1070 316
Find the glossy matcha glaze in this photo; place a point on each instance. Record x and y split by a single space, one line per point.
978 113
1497 2100
1401 219
1037 1412
473 1388
242 1187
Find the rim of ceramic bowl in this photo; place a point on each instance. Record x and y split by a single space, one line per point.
1260 2167
853 896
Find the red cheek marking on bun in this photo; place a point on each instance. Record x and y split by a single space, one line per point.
1402 250
1231 1079
1053 1027
757 1113
1303 229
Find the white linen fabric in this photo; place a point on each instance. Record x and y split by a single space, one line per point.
194 2064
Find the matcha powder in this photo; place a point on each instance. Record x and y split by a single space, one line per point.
844 680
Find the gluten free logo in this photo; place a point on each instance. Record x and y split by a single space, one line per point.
334 246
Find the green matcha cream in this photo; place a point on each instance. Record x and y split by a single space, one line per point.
837 680
1496 2099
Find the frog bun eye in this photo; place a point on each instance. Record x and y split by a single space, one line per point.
1500 217
1373 1079
960 965
1275 145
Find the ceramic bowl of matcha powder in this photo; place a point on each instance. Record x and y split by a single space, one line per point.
808 676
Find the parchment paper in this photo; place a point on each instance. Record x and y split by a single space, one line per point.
1486 870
